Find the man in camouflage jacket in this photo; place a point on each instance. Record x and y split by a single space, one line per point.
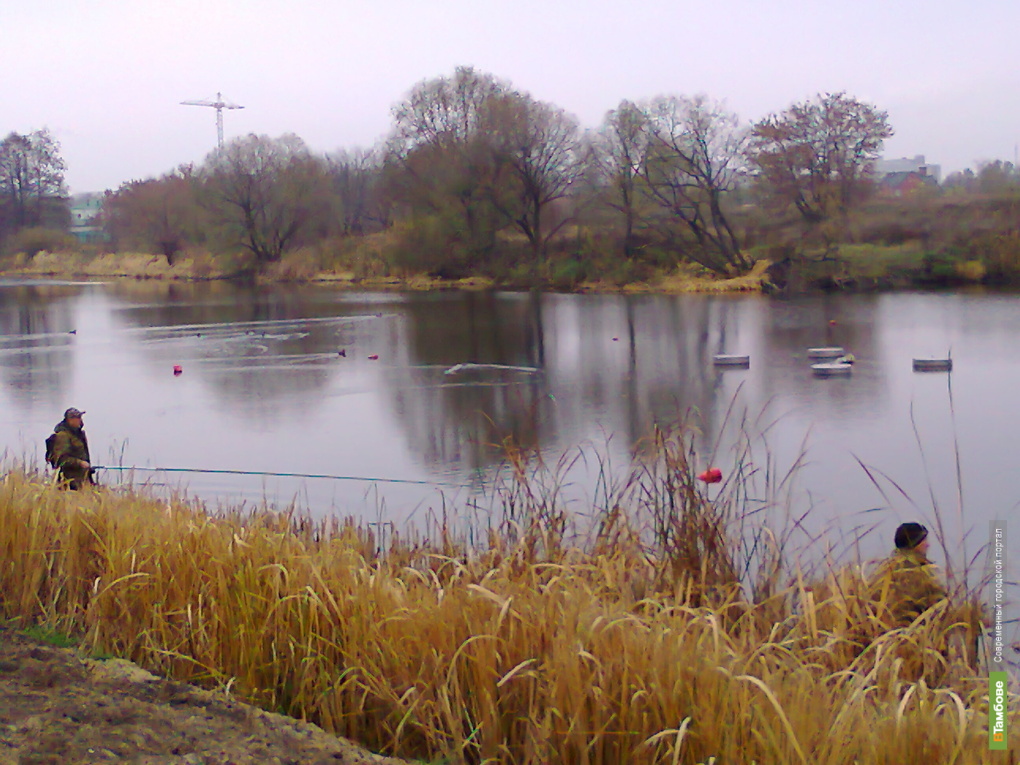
70 453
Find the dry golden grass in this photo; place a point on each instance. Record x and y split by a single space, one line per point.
187 266
692 278
527 651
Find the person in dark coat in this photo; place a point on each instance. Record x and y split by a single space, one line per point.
70 454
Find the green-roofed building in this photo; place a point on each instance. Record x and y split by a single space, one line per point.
85 217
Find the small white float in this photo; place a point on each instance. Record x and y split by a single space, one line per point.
731 360
829 352
933 365
832 369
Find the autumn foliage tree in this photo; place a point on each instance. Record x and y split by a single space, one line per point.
477 156
157 214
818 156
442 168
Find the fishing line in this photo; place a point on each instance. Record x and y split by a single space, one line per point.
278 475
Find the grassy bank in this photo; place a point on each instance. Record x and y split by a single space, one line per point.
637 647
307 267
853 266
881 266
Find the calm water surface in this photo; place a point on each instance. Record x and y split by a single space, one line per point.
264 387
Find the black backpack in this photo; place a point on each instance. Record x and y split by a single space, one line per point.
49 449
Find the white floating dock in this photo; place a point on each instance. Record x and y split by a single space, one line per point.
731 360
933 365
829 352
832 370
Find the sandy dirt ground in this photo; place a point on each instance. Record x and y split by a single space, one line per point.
57 708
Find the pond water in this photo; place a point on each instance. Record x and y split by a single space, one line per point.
313 380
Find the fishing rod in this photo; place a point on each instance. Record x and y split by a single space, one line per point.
278 475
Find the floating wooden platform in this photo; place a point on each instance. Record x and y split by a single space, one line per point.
832 370
830 352
933 365
731 360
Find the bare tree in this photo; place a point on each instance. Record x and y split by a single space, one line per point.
818 155
31 180
356 176
694 158
446 111
270 189
619 151
540 144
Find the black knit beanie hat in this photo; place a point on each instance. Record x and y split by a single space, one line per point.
910 535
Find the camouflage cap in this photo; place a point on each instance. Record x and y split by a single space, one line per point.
72 412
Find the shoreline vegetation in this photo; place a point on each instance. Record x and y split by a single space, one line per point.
861 268
297 270
677 631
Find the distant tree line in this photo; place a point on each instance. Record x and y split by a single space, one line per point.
992 177
478 177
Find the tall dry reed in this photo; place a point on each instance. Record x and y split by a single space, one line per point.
521 651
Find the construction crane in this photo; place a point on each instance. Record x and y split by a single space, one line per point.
219 105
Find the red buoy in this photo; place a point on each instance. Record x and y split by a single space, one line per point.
374 357
177 369
712 475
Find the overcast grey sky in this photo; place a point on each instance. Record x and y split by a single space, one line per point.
106 76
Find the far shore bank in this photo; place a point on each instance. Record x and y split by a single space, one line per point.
206 268
870 271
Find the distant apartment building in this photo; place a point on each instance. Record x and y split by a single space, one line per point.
915 164
85 224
